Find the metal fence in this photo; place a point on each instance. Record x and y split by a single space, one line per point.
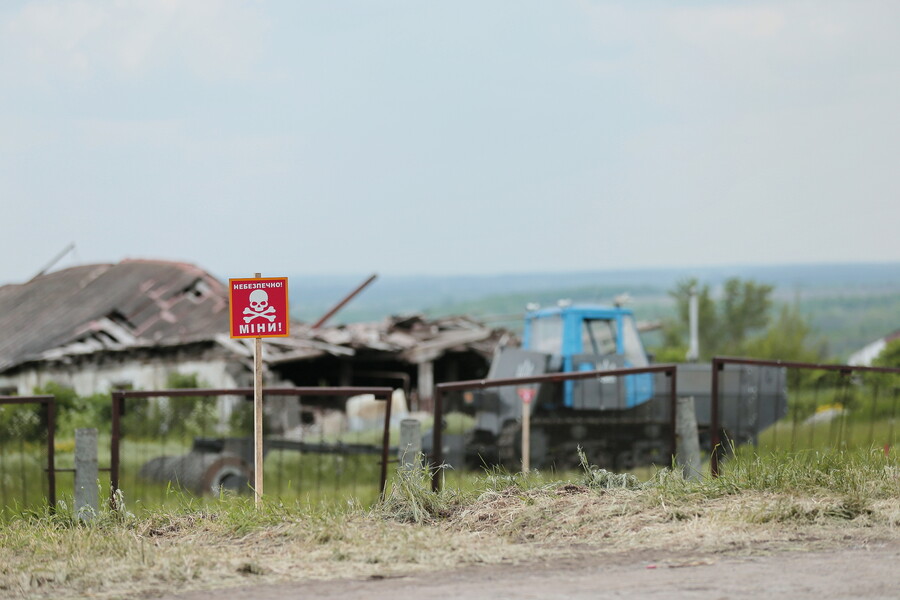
27 474
200 441
825 407
598 412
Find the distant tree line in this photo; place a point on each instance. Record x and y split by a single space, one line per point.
742 321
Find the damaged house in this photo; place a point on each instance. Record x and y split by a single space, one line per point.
130 325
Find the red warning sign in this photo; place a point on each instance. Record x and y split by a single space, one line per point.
259 307
527 394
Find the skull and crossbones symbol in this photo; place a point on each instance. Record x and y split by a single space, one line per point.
259 307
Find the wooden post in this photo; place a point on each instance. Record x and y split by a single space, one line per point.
426 383
526 435
257 419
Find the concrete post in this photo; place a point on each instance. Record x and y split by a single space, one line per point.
687 438
87 501
426 383
410 446
693 352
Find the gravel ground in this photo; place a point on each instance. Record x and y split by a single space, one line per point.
870 571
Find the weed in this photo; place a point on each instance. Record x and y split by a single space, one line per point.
600 479
411 498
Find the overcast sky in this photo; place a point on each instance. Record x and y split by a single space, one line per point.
410 137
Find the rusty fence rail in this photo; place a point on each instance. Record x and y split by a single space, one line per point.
600 432
27 471
201 441
822 406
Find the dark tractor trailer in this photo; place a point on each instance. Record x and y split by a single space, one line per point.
618 422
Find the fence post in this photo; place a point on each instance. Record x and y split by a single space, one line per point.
410 443
118 404
51 457
714 418
87 501
688 452
526 437
437 444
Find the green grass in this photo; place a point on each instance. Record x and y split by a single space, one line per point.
839 433
313 479
23 480
758 501
858 472
288 475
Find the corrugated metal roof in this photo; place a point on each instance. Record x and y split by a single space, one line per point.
145 303
134 302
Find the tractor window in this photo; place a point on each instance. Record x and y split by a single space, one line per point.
546 335
634 349
598 337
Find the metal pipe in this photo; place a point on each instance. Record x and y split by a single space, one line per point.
802 365
553 377
56 259
51 462
248 391
26 399
714 418
385 443
437 442
346 299
673 404
118 401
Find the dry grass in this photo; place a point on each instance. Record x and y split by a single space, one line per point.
511 519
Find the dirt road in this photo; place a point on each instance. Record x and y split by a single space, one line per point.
871 572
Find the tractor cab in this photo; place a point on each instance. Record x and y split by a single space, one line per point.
589 338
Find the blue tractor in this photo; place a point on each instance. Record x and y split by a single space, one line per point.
591 338
619 422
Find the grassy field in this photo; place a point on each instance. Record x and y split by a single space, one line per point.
289 475
23 480
313 479
759 504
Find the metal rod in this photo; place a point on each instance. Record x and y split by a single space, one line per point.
100 469
673 404
553 377
248 391
118 401
714 419
437 442
346 299
803 365
56 259
51 462
385 443
26 399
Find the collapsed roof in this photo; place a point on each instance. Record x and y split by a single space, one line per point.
153 304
